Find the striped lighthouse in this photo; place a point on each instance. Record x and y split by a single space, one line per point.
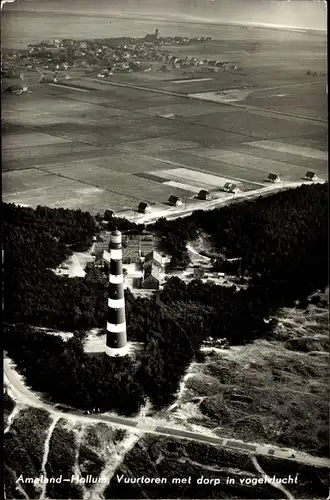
116 343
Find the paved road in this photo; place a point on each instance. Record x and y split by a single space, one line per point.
23 395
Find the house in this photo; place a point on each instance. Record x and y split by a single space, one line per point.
47 79
144 207
311 176
131 249
154 258
165 67
131 254
204 195
16 89
105 257
230 187
109 214
174 201
174 59
146 244
199 272
151 278
274 178
136 246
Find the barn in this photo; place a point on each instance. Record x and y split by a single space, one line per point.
230 187
204 195
274 178
144 207
311 176
175 201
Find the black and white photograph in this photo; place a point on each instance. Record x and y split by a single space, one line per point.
165 288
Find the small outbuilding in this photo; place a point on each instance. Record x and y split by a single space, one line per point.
175 201
230 187
204 195
311 176
144 207
274 178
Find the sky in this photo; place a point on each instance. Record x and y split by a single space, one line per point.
301 13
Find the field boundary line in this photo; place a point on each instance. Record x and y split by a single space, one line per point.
41 169
265 89
191 96
169 162
39 128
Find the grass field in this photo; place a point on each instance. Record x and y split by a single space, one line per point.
272 391
109 147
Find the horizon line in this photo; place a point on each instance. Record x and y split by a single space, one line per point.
178 19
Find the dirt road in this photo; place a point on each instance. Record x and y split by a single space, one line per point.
151 425
175 212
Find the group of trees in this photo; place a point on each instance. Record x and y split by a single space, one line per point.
175 235
34 242
68 375
171 326
37 241
124 225
282 240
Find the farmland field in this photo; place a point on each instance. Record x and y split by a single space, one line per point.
144 136
32 139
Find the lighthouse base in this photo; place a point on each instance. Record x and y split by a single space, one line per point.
116 352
